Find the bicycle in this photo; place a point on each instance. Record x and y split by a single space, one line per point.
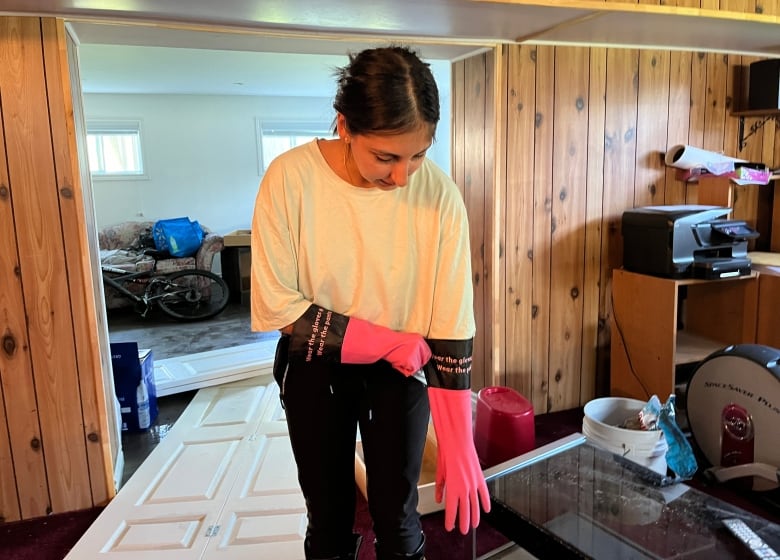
185 295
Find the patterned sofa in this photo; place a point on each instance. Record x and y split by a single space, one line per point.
119 247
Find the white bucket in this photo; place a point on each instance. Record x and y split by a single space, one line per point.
601 427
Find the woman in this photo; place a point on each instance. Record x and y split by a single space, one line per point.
360 256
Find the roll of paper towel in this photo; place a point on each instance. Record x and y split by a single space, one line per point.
688 157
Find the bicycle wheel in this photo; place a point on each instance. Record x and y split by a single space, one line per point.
190 295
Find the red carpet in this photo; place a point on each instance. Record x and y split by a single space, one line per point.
46 538
439 543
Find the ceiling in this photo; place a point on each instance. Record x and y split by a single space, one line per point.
229 45
162 60
166 70
140 57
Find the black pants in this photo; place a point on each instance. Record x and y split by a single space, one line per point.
324 405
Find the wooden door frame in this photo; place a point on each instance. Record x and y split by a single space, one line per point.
493 338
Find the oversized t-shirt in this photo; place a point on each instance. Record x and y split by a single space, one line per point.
397 258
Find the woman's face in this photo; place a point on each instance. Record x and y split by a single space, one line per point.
387 161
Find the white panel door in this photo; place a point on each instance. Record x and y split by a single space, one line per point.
215 367
221 484
265 515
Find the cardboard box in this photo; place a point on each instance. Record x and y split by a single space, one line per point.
759 176
238 238
740 175
134 385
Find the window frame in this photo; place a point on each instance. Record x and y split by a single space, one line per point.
290 128
98 127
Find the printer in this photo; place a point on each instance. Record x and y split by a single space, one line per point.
683 241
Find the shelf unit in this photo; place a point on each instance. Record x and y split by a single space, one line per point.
661 323
767 322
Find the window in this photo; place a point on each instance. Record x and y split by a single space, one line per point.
275 138
115 150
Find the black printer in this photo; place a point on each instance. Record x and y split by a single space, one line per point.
685 241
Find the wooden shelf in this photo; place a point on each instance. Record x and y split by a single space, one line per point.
659 323
693 348
756 113
768 322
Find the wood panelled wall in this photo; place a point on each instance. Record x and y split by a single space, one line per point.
54 433
579 135
551 145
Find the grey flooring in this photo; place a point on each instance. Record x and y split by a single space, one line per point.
169 338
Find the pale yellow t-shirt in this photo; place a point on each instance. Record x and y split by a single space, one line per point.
397 258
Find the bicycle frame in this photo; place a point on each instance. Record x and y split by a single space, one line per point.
182 294
118 283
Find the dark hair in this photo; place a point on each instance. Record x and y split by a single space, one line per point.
387 90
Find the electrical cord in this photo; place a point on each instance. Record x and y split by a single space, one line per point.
625 345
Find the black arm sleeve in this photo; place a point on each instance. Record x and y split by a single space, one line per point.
450 365
318 335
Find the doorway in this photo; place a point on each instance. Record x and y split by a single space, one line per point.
180 121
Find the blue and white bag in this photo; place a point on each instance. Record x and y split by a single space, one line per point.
181 237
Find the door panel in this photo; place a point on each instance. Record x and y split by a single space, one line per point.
265 514
222 483
215 367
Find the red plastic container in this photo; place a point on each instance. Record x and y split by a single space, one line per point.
504 425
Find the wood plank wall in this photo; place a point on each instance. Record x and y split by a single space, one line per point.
551 145
472 171
585 132
53 423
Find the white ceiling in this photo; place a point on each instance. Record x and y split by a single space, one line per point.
226 45
155 59
166 70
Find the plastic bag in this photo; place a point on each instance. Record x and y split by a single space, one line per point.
181 237
679 457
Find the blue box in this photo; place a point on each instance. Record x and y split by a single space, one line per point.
134 385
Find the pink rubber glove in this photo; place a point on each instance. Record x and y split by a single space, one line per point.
366 343
459 478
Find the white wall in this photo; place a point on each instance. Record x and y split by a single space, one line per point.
200 152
